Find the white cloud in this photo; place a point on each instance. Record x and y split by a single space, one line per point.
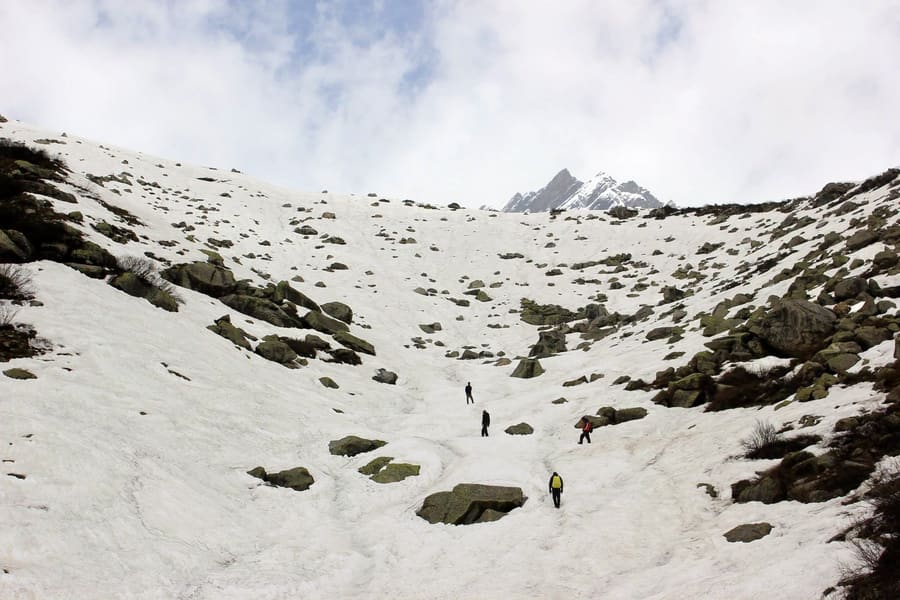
699 101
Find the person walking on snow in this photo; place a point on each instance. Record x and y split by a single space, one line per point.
485 422
556 488
469 393
586 430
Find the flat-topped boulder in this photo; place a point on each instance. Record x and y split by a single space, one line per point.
353 445
203 277
471 503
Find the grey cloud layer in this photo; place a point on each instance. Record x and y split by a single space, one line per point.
699 101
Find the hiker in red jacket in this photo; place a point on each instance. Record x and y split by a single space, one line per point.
586 430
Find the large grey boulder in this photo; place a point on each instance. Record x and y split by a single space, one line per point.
796 328
395 472
549 342
767 490
260 308
139 287
353 445
848 288
354 343
284 291
276 351
224 328
748 532
469 502
318 321
297 478
520 429
339 311
385 376
202 277
528 368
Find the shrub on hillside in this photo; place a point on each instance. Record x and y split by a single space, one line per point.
876 573
7 315
15 282
760 439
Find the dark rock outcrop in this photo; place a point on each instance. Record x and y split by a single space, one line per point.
795 328
203 277
748 532
353 445
297 478
471 503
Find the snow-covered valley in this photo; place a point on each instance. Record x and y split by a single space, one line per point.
131 446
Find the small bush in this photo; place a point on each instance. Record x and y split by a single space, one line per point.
876 571
145 270
7 315
762 436
141 267
15 282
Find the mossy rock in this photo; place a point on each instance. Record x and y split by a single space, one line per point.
284 291
17 373
298 478
318 321
630 414
528 368
339 311
136 286
235 335
276 351
520 429
395 472
748 532
203 277
468 502
329 383
354 343
430 328
353 445
375 465
260 308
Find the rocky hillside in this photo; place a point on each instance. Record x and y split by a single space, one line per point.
564 192
214 387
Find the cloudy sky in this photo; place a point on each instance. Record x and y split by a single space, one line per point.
470 101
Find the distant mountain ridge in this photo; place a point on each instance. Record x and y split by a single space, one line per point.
598 193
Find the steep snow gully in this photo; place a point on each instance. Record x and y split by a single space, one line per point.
128 449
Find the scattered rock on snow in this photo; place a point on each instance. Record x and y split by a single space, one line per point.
748 532
471 503
353 445
297 478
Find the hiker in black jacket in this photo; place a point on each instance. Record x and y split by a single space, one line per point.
469 393
485 422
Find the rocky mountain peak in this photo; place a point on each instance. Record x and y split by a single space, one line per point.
601 192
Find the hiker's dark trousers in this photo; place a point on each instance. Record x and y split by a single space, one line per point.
469 397
584 436
555 493
484 432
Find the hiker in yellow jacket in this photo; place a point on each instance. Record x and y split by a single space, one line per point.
556 488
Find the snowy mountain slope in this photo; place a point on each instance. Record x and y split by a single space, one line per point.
598 193
136 435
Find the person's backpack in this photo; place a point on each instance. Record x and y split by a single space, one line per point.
556 482
588 427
